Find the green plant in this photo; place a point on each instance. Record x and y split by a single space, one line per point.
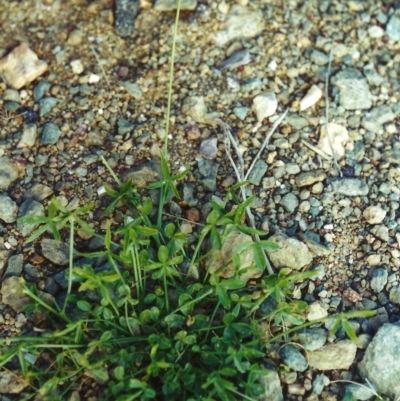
142 328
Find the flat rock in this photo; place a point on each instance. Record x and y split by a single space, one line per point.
310 177
12 382
29 208
143 175
125 14
393 28
380 364
350 187
258 172
293 358
56 252
38 192
28 137
50 134
292 253
217 259
354 93
208 148
272 386
312 338
379 279
311 98
334 140
11 294
46 104
316 311
339 355
289 202
265 105
170 5
8 209
315 247
381 232
242 23
374 214
21 66
195 107
10 170
14 267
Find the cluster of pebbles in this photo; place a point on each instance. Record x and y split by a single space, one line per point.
79 84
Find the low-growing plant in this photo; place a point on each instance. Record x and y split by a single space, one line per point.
143 326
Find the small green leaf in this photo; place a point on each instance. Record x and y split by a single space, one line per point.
348 328
228 318
105 336
268 245
145 316
259 256
170 230
84 305
163 254
174 320
119 372
232 284
216 241
223 298
213 217
146 208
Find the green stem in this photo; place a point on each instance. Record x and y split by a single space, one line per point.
71 262
171 76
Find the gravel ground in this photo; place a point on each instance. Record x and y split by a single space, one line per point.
327 185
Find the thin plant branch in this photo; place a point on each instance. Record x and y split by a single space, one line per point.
317 150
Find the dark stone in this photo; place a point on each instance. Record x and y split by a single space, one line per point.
125 14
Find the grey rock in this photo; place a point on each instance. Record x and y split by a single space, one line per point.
11 293
380 365
393 28
362 393
133 89
354 92
296 121
124 126
350 187
61 278
292 253
40 89
125 14
209 170
31 272
143 175
292 168
293 358
392 156
14 267
38 192
394 295
377 117
235 60
12 382
56 252
272 387
253 84
9 172
50 134
373 78
187 194
381 232
314 246
319 383
319 58
312 339
310 177
379 279
375 322
8 209
29 208
51 286
12 95
28 137
257 174
290 202
46 104
208 148
241 112
339 355
242 22
170 5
